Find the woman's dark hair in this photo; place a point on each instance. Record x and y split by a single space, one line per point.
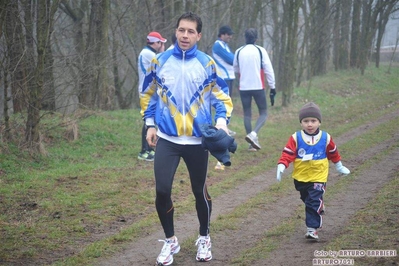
191 17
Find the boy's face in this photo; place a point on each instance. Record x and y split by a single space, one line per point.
310 124
187 35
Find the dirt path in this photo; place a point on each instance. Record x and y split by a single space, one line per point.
295 251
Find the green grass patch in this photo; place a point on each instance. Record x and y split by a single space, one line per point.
374 228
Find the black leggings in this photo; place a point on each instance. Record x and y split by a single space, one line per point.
260 100
167 158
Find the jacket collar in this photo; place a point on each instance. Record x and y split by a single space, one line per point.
191 53
314 134
150 48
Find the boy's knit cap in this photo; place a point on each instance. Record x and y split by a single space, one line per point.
310 110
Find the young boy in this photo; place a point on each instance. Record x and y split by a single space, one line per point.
310 149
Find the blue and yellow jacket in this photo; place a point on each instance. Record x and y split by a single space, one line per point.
178 94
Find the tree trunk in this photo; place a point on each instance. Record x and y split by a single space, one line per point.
78 65
305 58
336 36
343 60
355 34
275 14
7 130
16 47
289 55
369 20
107 93
383 18
48 102
32 133
319 38
95 80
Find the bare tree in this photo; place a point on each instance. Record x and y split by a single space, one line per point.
95 83
288 50
355 34
44 19
48 100
15 54
319 37
370 13
343 58
384 13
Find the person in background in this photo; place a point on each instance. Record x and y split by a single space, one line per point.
173 41
224 61
224 57
252 62
155 44
177 99
310 149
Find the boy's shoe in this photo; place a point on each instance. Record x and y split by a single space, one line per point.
219 166
251 148
312 234
152 152
252 139
146 156
232 133
204 248
170 247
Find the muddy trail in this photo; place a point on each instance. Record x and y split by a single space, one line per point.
292 250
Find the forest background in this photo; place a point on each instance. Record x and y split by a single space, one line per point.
65 55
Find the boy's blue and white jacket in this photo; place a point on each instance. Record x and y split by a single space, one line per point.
179 92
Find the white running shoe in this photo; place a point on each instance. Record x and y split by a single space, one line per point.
312 234
252 139
204 248
170 247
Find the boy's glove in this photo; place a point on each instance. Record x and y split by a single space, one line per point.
280 171
272 94
342 169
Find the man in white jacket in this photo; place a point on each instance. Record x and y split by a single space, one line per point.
252 63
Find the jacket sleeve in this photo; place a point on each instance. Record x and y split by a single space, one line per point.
220 98
268 69
148 95
235 63
332 151
288 154
223 53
